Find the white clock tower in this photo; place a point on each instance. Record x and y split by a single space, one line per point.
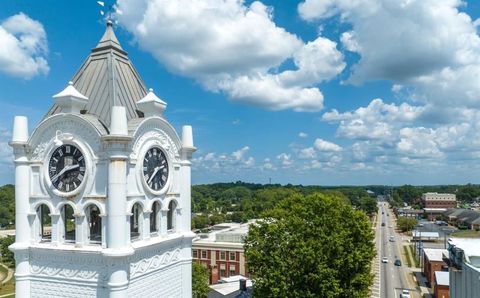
103 189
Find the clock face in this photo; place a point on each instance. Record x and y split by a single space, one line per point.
155 168
66 168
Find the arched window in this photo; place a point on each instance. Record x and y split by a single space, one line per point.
171 218
155 218
94 224
68 223
135 221
44 223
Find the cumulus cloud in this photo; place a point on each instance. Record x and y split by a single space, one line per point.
302 135
234 48
378 120
428 44
285 160
325 146
24 47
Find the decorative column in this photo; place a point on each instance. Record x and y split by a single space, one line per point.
184 222
184 213
146 225
163 221
56 229
116 144
80 229
22 206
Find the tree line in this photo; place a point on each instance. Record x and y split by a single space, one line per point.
240 201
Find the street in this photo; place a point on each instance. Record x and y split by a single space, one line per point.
393 279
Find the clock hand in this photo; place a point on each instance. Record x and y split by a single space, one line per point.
65 169
155 173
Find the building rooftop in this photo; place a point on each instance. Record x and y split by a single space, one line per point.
108 78
438 196
471 250
230 287
231 232
435 254
425 234
441 278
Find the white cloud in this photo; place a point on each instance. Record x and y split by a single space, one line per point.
418 142
234 48
24 47
238 155
285 160
376 121
302 135
307 153
325 146
427 44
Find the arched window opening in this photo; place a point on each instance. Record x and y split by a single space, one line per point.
155 218
68 223
135 221
45 223
171 218
94 224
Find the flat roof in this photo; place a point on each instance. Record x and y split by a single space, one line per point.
471 250
435 209
230 287
441 278
435 254
231 233
425 234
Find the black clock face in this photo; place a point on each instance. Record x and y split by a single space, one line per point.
66 168
155 168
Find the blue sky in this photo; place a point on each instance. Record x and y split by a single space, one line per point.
327 92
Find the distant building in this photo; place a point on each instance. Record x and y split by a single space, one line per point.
433 261
464 263
232 287
463 218
441 285
221 250
435 204
439 200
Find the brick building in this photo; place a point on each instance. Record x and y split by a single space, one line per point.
441 288
433 261
439 200
221 250
435 204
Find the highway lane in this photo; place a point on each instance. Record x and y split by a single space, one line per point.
393 278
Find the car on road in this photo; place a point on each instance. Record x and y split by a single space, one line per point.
391 239
383 224
384 260
420 225
405 294
398 262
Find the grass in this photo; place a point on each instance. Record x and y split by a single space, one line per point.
412 253
466 234
8 288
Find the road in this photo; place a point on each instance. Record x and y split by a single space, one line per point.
393 279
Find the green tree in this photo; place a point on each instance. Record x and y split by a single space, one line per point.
406 223
200 287
7 255
313 246
368 204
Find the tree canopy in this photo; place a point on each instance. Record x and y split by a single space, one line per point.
200 277
311 246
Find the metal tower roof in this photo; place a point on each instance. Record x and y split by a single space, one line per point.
108 78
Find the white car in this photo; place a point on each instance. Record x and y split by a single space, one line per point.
384 260
405 294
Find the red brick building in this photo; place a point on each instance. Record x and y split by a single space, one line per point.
439 200
221 251
441 288
433 261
